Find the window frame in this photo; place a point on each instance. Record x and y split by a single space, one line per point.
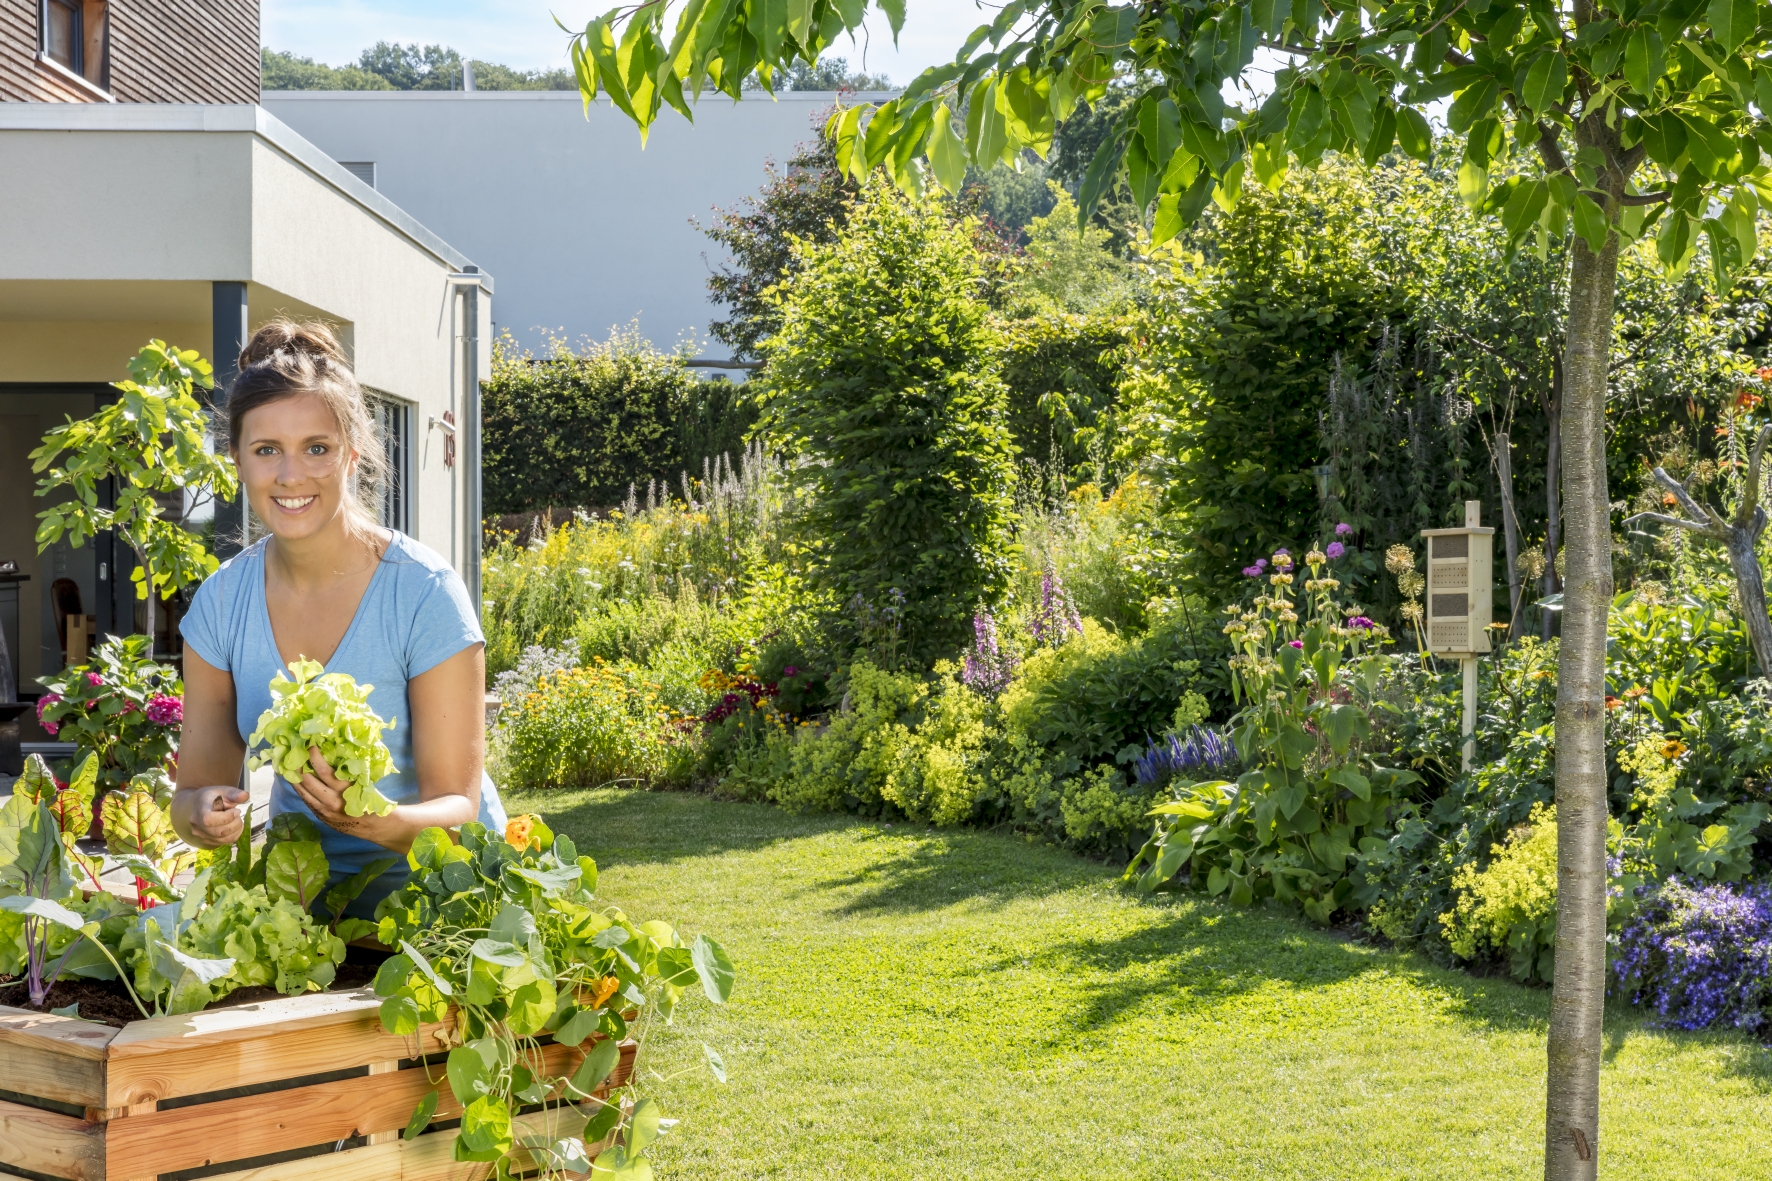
89 25
393 421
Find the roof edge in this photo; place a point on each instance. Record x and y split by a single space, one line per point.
236 118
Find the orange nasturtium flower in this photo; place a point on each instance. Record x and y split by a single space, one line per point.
519 831
1672 749
603 990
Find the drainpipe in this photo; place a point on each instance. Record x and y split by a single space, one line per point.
228 336
470 280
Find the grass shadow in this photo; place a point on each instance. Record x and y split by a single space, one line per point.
931 870
630 826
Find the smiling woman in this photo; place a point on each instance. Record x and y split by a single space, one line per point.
331 586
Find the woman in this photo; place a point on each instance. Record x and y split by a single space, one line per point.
328 584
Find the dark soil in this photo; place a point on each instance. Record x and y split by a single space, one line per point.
106 1002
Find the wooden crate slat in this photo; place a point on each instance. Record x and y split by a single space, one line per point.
53 1057
428 1158
52 1143
255 1125
170 1057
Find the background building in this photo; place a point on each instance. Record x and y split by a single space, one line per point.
585 229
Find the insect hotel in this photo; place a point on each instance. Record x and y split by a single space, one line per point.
1461 602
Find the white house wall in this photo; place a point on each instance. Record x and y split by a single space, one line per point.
584 229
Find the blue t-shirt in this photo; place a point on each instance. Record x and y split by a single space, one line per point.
414 616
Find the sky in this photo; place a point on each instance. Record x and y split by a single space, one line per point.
522 33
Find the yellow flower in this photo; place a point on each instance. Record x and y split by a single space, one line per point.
519 831
1672 749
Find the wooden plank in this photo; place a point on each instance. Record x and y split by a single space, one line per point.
53 1057
243 1045
202 1134
51 1143
428 1158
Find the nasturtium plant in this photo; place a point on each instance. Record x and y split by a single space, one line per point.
330 711
504 933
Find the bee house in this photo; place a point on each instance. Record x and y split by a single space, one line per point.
1460 581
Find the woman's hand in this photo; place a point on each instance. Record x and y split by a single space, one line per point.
209 817
324 792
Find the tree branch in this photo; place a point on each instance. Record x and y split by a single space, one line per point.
1750 495
1664 519
1691 504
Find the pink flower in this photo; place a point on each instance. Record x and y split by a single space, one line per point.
94 680
1343 529
1334 550
128 707
1296 643
51 728
166 711
1252 571
44 702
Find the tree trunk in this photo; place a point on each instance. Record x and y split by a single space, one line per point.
1578 996
1510 527
1748 582
1553 477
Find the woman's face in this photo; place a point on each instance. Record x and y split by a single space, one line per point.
294 464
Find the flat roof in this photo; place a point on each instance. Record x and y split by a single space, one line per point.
235 118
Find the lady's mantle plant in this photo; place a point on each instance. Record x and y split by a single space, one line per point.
1296 825
503 938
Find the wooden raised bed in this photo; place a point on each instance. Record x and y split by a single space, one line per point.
165 1096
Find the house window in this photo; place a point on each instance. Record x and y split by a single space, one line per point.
75 35
394 418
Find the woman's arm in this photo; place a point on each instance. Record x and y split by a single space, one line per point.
205 808
448 710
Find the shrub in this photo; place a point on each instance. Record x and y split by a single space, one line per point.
585 727
841 766
122 706
879 385
1511 906
578 428
1062 373
1699 956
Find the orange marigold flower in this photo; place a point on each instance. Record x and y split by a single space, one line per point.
519 831
1672 749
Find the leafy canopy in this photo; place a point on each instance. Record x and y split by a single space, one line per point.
150 441
1584 96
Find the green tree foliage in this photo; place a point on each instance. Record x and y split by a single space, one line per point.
287 71
1073 267
808 199
579 428
389 66
1062 372
831 73
879 382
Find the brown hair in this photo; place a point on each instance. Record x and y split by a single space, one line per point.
284 359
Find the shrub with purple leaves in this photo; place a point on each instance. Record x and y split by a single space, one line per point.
1699 956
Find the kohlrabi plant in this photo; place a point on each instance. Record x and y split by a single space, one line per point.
329 711
507 934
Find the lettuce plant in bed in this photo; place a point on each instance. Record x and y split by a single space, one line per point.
329 711
502 937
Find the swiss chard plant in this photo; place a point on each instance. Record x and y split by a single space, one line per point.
1295 826
503 938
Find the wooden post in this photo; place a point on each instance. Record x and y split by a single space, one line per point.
1469 729
387 1067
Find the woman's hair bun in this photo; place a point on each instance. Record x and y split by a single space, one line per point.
313 340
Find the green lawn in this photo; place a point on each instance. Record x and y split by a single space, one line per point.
936 1004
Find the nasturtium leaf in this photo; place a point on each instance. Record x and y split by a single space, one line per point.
296 870
468 1075
551 880
530 1007
597 1066
714 967
643 1125
602 1124
576 1028
421 1116
399 1016
424 965
485 1128
429 850
611 936
716 1064
676 966
493 951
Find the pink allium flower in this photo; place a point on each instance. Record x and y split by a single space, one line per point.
1334 550
1252 571
94 680
1344 529
166 711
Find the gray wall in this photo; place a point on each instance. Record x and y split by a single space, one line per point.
583 229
